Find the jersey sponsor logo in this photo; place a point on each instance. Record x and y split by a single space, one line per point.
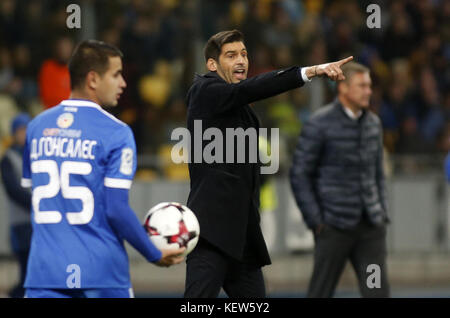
72 133
65 120
126 164
70 109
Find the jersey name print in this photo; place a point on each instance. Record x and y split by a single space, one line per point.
63 147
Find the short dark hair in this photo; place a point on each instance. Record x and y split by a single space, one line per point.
351 68
214 45
90 55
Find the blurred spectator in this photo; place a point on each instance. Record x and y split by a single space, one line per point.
9 30
6 72
444 138
23 71
341 40
410 140
399 38
282 114
261 61
281 31
54 78
155 88
432 119
19 200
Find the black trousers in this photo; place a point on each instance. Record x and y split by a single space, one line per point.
363 245
20 236
208 270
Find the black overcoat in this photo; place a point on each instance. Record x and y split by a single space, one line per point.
225 195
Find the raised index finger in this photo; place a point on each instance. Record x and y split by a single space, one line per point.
343 61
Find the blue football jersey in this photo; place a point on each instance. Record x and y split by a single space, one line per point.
73 152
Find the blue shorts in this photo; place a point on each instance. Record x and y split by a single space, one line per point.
79 293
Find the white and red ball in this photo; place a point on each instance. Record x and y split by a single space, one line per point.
171 225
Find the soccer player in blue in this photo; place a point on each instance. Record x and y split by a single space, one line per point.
80 161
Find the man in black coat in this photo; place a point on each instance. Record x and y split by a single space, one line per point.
225 192
338 182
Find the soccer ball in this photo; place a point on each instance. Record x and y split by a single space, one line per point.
171 225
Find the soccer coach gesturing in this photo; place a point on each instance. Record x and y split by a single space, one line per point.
225 196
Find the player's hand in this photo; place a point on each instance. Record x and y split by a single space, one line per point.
331 70
171 257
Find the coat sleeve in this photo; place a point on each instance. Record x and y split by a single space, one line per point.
302 173
217 96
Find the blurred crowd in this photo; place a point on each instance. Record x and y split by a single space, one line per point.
162 42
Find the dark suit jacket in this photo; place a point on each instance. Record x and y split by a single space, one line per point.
225 196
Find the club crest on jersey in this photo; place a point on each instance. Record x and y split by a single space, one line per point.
65 120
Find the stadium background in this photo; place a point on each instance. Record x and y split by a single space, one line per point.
162 42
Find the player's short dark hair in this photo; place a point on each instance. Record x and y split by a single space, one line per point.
90 55
214 45
351 68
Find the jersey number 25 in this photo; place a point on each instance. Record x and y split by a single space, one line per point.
60 181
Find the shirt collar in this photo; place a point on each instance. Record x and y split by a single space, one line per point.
79 103
351 114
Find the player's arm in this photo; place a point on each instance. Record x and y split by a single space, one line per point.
118 179
125 223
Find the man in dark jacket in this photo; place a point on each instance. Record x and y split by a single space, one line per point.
225 193
338 183
19 203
